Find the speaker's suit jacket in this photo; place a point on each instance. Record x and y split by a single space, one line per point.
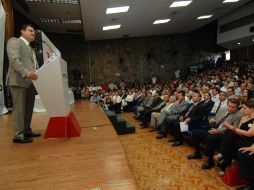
21 61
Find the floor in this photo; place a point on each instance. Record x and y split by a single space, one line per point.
93 161
158 166
99 159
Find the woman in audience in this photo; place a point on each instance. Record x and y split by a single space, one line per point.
246 160
244 96
234 138
109 104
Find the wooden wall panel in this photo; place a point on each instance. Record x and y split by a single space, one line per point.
9 24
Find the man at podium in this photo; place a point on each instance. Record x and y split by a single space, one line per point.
21 72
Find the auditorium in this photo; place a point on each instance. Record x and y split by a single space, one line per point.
127 94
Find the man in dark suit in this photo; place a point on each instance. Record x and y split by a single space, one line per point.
21 72
193 116
206 107
156 106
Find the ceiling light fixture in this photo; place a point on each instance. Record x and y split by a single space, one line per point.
238 43
72 2
162 21
112 27
230 1
205 17
180 3
60 20
117 10
70 21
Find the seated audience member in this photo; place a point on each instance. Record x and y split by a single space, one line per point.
138 96
116 99
153 90
127 102
109 104
231 92
214 94
237 88
112 86
207 104
220 104
144 105
156 115
204 90
104 86
157 105
164 92
103 106
95 97
243 87
250 87
246 160
98 88
225 86
138 102
193 117
173 115
244 96
91 89
85 93
212 136
234 138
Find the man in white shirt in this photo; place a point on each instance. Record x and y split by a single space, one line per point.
221 103
215 94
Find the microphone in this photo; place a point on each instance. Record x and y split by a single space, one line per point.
52 51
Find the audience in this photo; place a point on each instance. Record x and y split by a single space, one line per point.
207 100
235 138
213 134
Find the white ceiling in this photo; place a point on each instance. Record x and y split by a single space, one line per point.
136 22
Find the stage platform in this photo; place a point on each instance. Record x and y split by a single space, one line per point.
94 161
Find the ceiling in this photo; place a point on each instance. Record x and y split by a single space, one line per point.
138 21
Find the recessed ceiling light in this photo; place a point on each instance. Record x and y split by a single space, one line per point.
70 21
117 10
253 40
180 3
238 43
60 20
205 17
161 21
230 1
112 27
73 2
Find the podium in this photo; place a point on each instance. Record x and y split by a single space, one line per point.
52 87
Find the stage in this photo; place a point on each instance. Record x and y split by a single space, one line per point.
95 160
